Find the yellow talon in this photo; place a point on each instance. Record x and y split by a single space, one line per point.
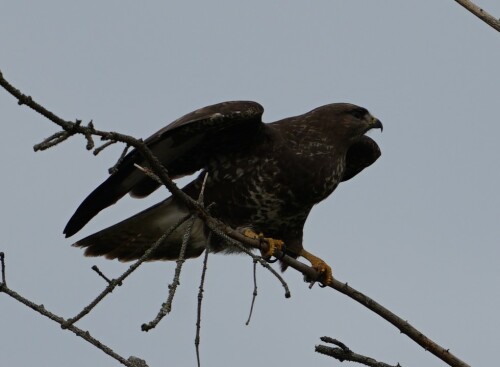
273 246
272 243
324 270
251 234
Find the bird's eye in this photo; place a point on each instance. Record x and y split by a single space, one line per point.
359 112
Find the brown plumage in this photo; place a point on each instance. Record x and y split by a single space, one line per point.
263 177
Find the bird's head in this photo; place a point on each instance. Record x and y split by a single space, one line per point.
347 121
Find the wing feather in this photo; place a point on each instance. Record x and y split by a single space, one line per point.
360 155
183 147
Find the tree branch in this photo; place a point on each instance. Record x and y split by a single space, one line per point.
235 237
345 354
167 306
200 299
64 323
480 13
2 265
254 294
403 325
117 282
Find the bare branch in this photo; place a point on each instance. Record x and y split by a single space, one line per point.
254 294
120 159
148 173
104 146
61 321
480 13
403 325
234 237
117 282
336 342
223 233
28 101
2 264
201 197
167 306
200 299
52 140
88 135
101 274
345 354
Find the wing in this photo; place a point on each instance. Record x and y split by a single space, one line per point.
361 154
183 147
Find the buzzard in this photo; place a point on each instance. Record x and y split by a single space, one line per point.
264 178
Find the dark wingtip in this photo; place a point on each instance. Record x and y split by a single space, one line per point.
77 222
106 194
67 232
71 228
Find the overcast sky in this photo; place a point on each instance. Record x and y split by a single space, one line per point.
418 231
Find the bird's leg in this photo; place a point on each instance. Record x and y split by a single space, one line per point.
324 270
271 242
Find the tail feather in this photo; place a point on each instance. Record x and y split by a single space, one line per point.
129 239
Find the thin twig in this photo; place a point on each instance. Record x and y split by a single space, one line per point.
2 264
101 274
61 136
103 146
88 135
148 173
118 281
200 299
201 197
120 159
336 342
480 13
242 248
345 354
166 307
61 321
52 140
254 294
28 101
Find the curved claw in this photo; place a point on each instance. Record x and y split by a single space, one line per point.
273 258
273 246
272 243
324 270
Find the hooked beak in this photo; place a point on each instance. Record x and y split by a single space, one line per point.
376 124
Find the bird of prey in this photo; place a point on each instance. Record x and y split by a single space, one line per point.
264 178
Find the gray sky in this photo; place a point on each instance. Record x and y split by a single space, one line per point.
418 231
